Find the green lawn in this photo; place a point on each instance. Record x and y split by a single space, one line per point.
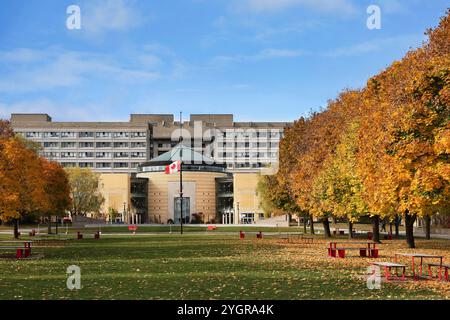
196 267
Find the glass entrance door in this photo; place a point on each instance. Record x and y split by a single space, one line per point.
186 209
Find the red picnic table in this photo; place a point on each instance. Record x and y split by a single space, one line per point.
421 256
24 252
371 251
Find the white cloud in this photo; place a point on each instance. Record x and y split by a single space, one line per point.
261 55
375 45
62 110
392 6
40 70
269 6
109 15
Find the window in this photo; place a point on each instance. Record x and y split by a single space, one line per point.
86 145
68 144
258 154
103 134
242 144
261 134
68 134
33 135
138 154
68 155
51 144
121 154
138 144
86 155
134 164
50 155
120 144
51 134
247 218
138 134
120 165
121 134
103 155
86 134
103 144
86 165
274 144
68 164
103 165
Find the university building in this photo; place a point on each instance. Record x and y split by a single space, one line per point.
222 161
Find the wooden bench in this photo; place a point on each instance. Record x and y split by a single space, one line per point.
438 265
387 266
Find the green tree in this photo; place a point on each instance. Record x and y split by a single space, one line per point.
84 191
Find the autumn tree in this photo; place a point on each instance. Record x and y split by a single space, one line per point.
84 191
57 191
403 134
6 130
338 187
21 183
274 199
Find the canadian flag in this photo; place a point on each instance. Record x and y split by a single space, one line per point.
173 168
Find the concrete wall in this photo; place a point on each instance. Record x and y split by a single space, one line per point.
115 188
245 194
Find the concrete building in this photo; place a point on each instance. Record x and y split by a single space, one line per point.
222 159
119 147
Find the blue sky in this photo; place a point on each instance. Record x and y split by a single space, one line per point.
263 60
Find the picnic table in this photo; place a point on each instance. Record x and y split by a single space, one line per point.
22 248
420 256
369 250
387 266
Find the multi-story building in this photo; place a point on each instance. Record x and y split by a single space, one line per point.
130 157
122 146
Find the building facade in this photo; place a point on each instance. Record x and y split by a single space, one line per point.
119 147
221 175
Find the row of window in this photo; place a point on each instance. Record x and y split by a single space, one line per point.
94 154
101 165
253 134
86 134
53 144
248 154
247 165
248 144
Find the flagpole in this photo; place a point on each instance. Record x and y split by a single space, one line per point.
181 177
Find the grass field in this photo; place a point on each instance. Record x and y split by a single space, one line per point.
196 266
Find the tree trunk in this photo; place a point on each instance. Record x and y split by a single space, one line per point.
350 229
311 225
376 228
427 219
16 228
397 226
326 227
409 225
304 224
49 224
56 226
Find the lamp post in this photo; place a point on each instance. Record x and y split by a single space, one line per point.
123 212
